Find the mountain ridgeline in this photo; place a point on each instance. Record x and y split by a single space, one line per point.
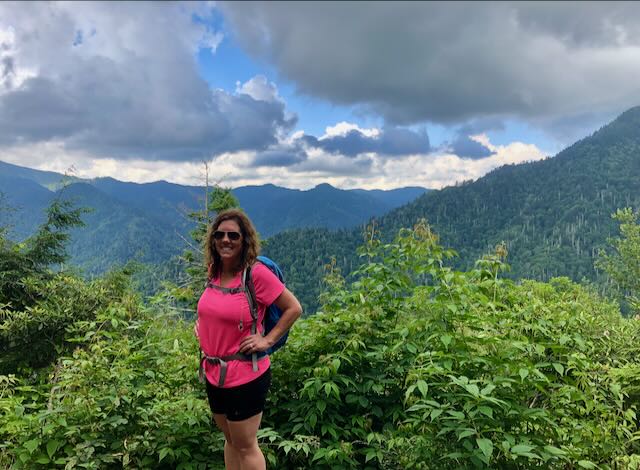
553 215
150 223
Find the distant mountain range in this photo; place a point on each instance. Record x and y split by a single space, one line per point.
554 215
149 221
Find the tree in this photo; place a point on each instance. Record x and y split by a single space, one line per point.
189 288
623 265
31 259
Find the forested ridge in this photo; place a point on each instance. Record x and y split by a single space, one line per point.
414 365
150 222
553 215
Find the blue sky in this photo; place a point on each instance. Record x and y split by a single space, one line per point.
356 94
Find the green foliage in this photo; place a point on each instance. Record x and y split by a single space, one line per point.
623 265
127 397
91 379
35 335
415 365
412 364
24 266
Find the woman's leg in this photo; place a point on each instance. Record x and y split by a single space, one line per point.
231 459
245 443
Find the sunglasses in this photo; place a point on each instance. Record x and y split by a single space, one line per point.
233 236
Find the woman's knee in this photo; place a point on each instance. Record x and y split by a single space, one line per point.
244 446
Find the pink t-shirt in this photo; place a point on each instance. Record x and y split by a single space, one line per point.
219 316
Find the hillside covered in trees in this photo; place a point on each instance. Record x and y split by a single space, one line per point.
553 215
150 222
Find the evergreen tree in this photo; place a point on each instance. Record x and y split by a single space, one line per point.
32 259
193 278
623 265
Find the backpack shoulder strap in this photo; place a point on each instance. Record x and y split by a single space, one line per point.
247 283
250 291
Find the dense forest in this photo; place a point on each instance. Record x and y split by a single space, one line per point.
414 364
553 215
150 222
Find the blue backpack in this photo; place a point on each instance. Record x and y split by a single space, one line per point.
272 313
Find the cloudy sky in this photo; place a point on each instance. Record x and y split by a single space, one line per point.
367 95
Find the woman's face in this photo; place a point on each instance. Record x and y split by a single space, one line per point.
227 243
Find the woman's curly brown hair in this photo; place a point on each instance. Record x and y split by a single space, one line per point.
250 242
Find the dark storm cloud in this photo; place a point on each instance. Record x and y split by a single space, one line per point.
336 166
7 71
279 158
390 142
449 62
465 147
128 89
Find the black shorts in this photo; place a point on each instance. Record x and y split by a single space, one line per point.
241 402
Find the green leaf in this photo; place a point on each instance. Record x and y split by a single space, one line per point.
466 433
485 410
456 414
52 446
32 445
488 389
524 373
163 453
446 340
486 446
521 449
473 389
554 450
559 368
586 464
371 454
423 387
321 405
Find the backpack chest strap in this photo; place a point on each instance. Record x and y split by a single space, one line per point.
226 290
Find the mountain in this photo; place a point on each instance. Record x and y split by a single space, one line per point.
22 196
322 206
150 220
394 197
48 179
553 215
115 233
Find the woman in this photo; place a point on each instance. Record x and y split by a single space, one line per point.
237 386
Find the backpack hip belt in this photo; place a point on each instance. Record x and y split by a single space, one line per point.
223 362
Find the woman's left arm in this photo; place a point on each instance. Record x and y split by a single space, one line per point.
291 311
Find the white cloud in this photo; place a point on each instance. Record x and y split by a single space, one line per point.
343 128
368 171
259 88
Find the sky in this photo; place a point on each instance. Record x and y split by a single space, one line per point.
373 95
